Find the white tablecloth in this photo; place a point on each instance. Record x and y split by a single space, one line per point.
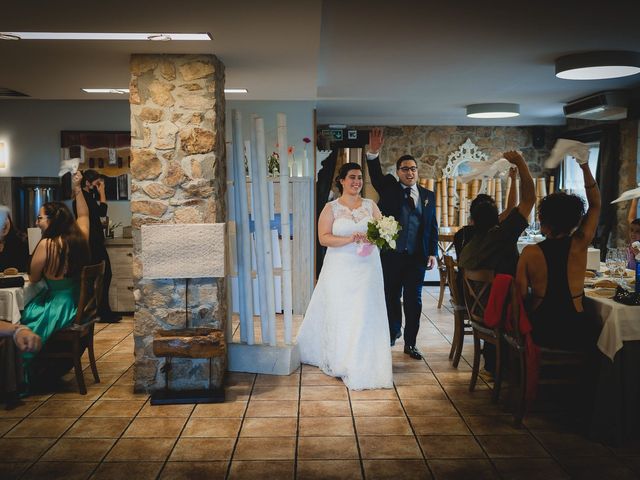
620 323
13 300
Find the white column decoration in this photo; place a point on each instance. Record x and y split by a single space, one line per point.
243 234
287 304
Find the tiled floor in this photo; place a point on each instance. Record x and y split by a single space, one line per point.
305 426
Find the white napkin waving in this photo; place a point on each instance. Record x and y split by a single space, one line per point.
564 147
70 165
628 195
489 168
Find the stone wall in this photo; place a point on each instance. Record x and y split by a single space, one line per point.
178 176
627 179
432 145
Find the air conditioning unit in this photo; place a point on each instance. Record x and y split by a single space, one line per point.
611 105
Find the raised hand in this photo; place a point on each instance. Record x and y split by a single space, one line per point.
100 185
76 182
513 157
376 140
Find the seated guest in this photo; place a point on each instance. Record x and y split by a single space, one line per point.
23 337
465 234
58 259
634 235
14 249
554 269
494 245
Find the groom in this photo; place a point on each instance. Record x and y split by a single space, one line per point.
416 247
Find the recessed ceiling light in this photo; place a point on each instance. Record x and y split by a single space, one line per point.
119 91
493 110
598 65
236 90
102 36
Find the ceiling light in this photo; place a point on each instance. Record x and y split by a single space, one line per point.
236 90
598 65
493 110
102 36
119 91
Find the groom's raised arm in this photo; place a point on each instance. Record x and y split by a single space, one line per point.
373 159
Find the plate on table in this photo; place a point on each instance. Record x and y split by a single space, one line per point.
601 292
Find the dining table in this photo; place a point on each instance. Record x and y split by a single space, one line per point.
616 411
13 299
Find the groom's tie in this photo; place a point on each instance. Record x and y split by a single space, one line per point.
408 198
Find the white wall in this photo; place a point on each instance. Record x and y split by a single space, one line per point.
299 124
31 130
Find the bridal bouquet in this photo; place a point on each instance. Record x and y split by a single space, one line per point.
381 233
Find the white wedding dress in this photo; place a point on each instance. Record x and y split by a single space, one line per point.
345 331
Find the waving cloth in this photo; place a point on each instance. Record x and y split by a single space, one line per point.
489 168
499 302
564 147
628 195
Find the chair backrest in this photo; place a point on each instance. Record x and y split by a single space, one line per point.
477 286
91 279
514 319
452 279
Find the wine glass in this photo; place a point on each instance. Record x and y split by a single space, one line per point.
610 261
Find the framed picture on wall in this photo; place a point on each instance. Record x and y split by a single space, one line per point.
106 152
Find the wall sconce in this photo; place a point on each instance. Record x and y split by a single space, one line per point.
3 155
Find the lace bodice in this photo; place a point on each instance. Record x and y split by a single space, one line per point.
347 221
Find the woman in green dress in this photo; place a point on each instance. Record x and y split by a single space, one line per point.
58 259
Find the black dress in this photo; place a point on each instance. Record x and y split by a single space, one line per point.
556 322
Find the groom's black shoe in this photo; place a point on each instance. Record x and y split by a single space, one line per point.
413 352
395 337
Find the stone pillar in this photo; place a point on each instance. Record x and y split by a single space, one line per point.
178 176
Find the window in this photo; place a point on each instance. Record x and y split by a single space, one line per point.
572 174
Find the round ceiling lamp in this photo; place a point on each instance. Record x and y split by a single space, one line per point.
598 65
493 110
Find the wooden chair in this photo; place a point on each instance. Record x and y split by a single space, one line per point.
462 326
445 243
69 341
477 286
547 357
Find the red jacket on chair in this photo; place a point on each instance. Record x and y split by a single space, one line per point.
494 318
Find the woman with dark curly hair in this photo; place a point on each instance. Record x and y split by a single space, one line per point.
554 269
58 259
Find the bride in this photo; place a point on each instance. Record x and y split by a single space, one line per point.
345 330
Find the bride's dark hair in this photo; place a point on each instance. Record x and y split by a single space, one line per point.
344 170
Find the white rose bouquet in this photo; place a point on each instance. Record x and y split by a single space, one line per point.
382 233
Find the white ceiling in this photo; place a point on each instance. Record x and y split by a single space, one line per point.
363 62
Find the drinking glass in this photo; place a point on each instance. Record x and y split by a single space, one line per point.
610 261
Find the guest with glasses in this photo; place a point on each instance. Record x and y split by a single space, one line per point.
58 260
416 248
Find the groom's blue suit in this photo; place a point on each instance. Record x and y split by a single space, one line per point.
404 267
